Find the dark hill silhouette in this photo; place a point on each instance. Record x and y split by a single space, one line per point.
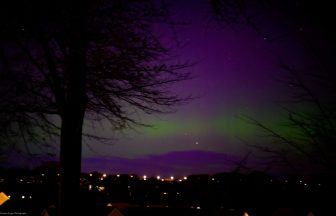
177 163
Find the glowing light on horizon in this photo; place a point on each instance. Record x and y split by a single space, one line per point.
171 177
104 175
101 188
158 177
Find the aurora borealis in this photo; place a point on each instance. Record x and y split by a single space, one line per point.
235 73
164 107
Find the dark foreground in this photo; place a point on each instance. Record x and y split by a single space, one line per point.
225 194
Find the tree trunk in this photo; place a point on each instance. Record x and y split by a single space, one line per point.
70 157
73 111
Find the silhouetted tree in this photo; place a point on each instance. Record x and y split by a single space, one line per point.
308 130
307 136
65 61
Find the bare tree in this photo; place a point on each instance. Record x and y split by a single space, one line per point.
310 135
79 60
307 133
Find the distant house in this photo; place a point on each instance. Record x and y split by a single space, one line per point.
45 212
115 212
50 211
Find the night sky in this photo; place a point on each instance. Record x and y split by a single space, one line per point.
235 74
235 69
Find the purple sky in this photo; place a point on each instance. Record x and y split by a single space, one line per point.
235 70
234 76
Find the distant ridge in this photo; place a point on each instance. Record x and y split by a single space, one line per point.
171 163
